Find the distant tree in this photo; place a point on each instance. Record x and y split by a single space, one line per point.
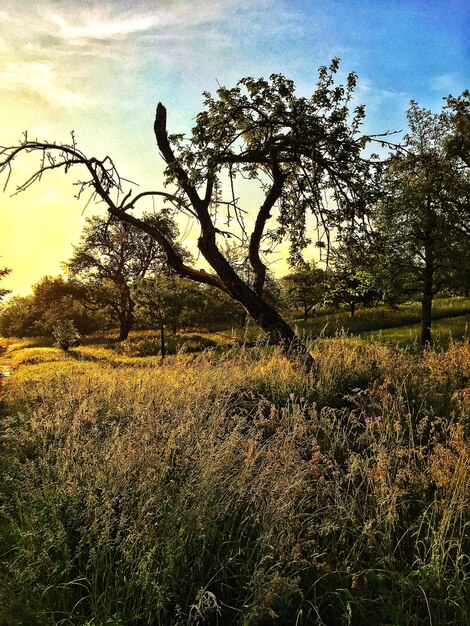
425 214
352 277
53 299
111 258
4 271
167 300
304 288
65 334
305 155
18 317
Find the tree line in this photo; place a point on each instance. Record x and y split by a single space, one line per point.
388 226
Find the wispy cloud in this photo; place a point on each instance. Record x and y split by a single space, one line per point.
86 45
444 82
100 27
35 80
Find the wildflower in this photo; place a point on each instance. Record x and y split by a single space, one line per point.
367 421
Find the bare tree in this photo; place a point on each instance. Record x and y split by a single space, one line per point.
304 154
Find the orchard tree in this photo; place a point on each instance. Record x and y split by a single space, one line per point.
166 300
303 154
111 257
18 318
352 277
304 288
426 211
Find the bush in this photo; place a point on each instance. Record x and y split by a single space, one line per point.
65 334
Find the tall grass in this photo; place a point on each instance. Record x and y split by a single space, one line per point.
235 490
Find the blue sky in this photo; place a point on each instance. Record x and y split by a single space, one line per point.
99 68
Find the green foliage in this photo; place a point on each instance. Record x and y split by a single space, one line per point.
353 275
168 299
304 288
65 334
109 260
458 143
4 271
262 128
423 219
52 299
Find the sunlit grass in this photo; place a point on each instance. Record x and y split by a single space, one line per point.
227 487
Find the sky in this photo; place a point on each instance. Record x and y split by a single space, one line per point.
98 68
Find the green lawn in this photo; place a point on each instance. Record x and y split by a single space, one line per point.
451 318
443 330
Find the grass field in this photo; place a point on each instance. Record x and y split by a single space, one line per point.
224 487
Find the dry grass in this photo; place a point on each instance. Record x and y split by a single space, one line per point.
235 490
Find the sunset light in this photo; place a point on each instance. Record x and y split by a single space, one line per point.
99 68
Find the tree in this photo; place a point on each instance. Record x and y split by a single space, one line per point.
304 288
65 334
53 300
166 299
458 142
17 317
305 155
354 275
4 271
109 260
426 212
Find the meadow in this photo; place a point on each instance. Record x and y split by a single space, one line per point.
222 486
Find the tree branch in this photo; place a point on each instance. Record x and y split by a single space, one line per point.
264 214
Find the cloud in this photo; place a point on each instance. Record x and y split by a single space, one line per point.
444 83
33 80
95 27
111 54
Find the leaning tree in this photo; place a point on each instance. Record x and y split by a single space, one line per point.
304 155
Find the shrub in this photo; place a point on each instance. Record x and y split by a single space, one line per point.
65 334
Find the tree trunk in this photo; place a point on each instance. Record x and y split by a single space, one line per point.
426 306
162 340
126 321
353 307
278 330
268 319
227 279
125 327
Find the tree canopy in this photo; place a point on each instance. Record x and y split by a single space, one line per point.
304 288
53 300
424 215
305 154
111 258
